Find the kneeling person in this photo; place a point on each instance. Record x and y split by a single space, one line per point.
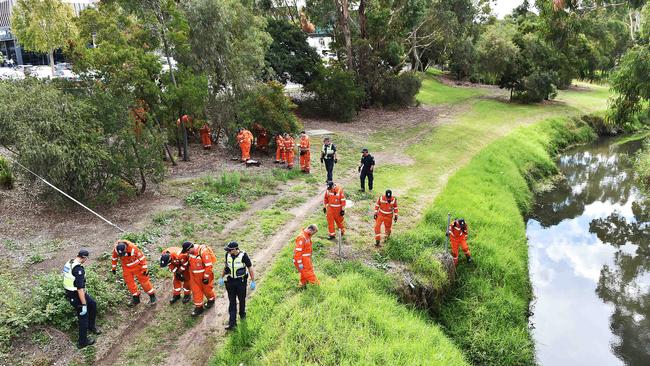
238 267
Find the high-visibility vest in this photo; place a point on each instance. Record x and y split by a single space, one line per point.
235 267
329 151
68 277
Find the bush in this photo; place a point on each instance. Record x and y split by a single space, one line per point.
6 175
336 94
268 106
398 90
536 87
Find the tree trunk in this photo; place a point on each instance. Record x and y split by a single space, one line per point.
52 61
143 180
363 20
344 24
163 37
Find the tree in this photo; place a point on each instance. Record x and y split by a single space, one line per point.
268 106
43 25
290 56
85 143
497 53
631 82
228 44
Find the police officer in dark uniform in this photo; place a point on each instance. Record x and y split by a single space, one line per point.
366 169
74 282
237 268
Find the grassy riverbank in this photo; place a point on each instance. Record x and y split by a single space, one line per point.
486 311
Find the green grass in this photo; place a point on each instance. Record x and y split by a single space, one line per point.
486 311
146 348
351 319
434 92
589 99
287 326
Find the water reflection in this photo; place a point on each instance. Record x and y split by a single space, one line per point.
589 263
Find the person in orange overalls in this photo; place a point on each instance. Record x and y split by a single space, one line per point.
334 208
245 140
178 264
457 233
385 213
206 136
263 140
201 260
289 144
134 264
305 153
302 256
279 149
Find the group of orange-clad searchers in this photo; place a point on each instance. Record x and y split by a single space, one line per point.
192 265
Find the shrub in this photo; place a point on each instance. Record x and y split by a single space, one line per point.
536 87
268 106
398 90
336 94
6 175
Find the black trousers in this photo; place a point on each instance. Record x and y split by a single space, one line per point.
236 288
363 176
86 321
329 166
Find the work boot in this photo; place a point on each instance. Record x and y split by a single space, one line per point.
152 299
197 311
186 299
469 259
90 342
231 326
95 331
377 243
135 300
276 162
174 299
209 304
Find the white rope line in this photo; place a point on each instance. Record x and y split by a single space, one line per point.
67 195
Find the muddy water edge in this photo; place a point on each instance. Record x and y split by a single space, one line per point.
589 251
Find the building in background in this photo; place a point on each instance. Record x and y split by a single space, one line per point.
10 48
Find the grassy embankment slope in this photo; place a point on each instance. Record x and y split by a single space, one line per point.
354 317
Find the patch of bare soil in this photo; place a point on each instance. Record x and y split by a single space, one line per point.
372 120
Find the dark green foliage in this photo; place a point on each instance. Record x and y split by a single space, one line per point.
6 174
335 94
85 143
536 87
462 60
267 105
631 82
289 55
398 90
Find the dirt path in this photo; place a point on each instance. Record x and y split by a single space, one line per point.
211 327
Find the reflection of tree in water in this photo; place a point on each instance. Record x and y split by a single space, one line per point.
590 176
621 285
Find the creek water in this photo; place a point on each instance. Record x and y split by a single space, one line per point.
589 252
